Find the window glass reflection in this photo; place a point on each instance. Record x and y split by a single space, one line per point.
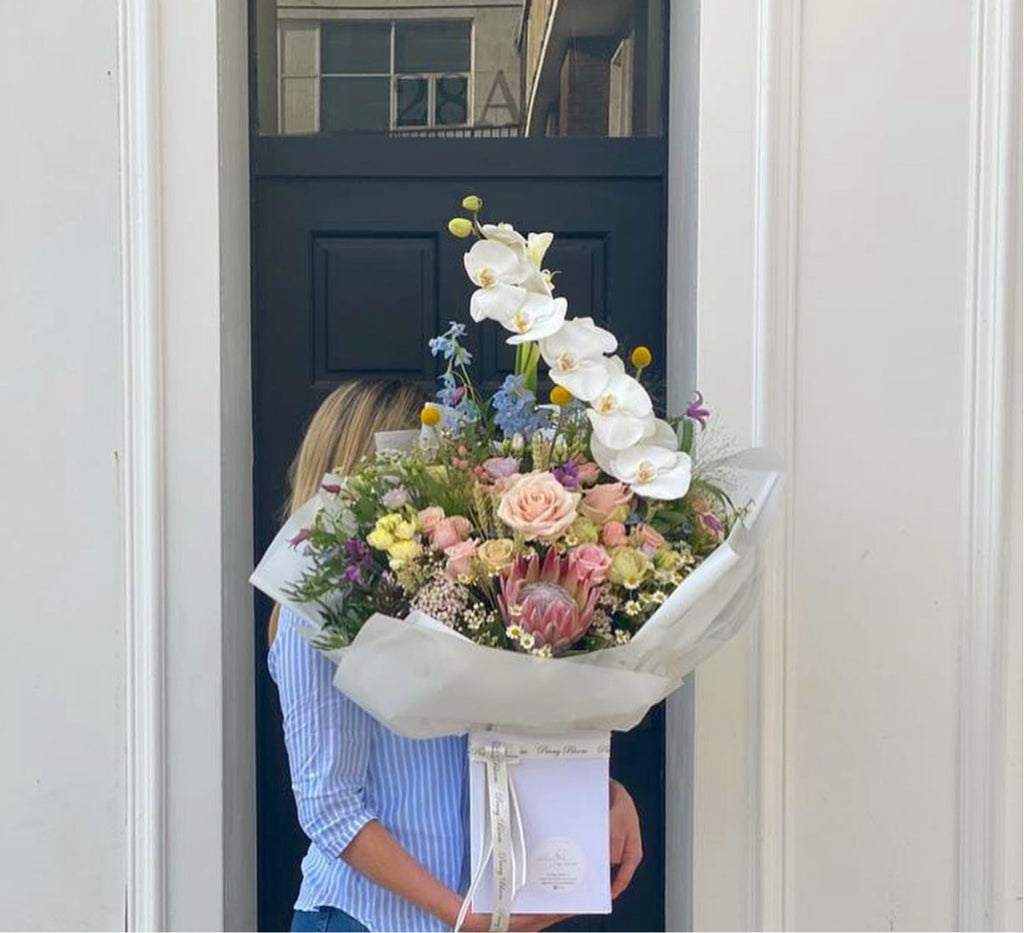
486 68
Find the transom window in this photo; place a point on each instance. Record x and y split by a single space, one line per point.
346 76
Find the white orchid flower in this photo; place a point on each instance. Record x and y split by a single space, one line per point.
530 251
537 245
652 470
498 273
621 414
576 357
537 317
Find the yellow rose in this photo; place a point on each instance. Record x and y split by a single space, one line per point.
629 567
584 531
404 531
496 554
380 539
404 550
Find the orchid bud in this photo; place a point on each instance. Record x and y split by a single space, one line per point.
472 203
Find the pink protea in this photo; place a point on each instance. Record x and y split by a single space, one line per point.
553 599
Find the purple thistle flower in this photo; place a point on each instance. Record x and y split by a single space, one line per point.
697 412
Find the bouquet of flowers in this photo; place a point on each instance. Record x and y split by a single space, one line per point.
533 566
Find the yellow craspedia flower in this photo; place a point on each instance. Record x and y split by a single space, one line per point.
472 203
460 227
380 539
430 416
641 357
560 396
404 550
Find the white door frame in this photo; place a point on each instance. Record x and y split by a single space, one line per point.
188 517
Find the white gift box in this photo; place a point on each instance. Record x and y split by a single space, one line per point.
557 832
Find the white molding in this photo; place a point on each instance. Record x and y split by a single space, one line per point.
777 145
993 237
145 893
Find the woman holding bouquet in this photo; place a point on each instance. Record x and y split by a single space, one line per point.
385 815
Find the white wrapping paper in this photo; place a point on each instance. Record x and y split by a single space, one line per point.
422 679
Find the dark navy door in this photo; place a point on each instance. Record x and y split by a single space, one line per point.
370 122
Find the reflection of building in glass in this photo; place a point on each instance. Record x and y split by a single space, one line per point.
402 67
461 67
592 67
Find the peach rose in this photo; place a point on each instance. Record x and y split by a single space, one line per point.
538 506
450 531
614 535
460 559
607 502
593 561
496 554
429 518
649 539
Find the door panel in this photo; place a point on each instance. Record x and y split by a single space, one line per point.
353 271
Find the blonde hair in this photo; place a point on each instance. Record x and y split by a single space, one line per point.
340 435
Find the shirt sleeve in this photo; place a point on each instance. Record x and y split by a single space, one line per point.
328 741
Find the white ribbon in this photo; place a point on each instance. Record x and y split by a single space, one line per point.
504 843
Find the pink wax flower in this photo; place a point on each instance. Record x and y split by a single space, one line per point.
593 561
460 559
430 517
450 531
614 535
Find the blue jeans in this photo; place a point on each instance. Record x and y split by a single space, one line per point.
325 919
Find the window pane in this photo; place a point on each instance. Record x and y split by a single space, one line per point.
412 101
353 104
355 48
298 105
450 106
431 47
298 49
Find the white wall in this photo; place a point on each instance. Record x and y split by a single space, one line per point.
857 310
62 663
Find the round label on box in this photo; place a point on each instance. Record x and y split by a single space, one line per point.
556 865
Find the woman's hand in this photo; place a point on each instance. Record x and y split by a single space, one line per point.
627 849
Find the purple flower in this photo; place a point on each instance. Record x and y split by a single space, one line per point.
356 550
697 412
302 536
332 488
353 574
711 523
568 474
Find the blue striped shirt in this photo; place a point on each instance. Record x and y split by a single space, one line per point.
348 769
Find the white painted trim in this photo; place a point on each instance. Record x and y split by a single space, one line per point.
993 239
777 146
145 893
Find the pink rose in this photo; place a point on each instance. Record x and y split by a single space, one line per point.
607 502
588 473
501 467
450 531
649 539
460 559
538 506
430 517
614 535
593 562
